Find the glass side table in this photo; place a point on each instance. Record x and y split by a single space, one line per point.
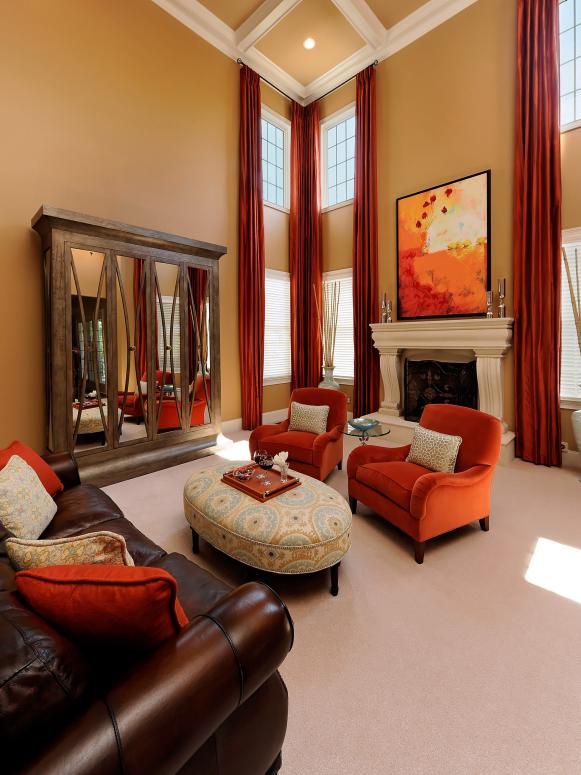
364 436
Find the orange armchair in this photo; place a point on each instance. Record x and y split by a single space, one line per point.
308 453
424 503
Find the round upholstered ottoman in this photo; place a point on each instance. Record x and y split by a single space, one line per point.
304 530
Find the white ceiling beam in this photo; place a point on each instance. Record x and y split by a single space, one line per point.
262 21
363 21
276 75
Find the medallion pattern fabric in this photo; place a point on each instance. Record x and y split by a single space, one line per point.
306 529
26 508
433 450
101 547
309 418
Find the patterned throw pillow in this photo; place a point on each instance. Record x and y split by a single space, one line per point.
90 549
436 451
26 508
305 417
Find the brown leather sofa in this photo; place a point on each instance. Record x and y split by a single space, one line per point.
209 702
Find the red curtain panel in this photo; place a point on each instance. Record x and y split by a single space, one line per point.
305 246
537 234
365 271
250 251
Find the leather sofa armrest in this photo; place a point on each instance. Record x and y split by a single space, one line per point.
65 467
372 453
428 485
169 704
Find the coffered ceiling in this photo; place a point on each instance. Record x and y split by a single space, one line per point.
348 35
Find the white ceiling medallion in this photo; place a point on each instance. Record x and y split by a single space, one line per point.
380 43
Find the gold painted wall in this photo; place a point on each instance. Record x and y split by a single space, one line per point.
117 110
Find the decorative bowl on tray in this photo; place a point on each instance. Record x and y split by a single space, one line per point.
363 423
243 474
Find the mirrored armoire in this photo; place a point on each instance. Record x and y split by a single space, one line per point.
132 344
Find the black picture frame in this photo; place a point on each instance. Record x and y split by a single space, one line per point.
488 174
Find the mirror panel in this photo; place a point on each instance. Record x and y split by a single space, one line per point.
200 389
131 291
168 343
89 348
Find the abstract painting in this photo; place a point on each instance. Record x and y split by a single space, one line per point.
443 250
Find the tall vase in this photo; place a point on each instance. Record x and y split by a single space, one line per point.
328 381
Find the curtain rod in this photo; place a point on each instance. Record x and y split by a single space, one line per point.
284 94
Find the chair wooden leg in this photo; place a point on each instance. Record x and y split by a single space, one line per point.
340 465
195 542
485 524
353 504
335 579
419 548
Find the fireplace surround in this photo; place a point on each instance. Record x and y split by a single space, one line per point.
485 341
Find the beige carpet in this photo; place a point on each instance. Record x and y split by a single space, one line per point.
459 666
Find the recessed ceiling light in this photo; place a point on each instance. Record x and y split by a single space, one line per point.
309 43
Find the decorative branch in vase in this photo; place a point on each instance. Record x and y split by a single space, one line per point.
328 318
575 294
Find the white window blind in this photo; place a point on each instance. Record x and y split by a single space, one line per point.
344 353
570 355
167 302
277 352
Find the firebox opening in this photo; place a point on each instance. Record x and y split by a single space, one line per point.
438 382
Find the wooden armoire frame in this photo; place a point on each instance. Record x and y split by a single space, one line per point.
62 233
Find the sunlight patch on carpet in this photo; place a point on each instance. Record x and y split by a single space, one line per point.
557 568
233 450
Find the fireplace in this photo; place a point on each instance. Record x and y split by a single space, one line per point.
438 382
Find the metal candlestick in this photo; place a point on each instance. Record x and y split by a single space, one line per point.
384 309
501 295
389 320
489 302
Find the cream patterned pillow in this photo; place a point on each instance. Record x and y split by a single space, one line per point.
436 451
26 508
305 417
102 547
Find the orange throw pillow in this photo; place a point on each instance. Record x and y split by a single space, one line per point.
106 606
52 484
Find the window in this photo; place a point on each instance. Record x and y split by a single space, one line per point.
338 157
570 60
277 350
570 355
344 353
174 341
275 159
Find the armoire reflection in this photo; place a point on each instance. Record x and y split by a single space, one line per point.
182 380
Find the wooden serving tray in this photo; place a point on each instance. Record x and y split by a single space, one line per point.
256 489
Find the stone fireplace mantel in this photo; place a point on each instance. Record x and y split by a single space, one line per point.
486 340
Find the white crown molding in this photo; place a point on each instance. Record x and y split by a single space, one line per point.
381 43
363 21
262 21
423 20
204 23
276 75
